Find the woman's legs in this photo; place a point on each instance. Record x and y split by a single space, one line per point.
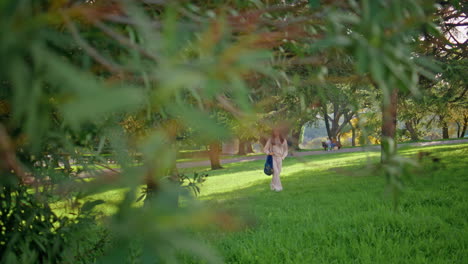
275 181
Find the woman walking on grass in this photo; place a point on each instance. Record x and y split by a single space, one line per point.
276 146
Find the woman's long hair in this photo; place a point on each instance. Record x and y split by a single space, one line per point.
272 139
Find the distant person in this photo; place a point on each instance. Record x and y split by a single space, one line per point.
277 147
329 144
334 143
324 146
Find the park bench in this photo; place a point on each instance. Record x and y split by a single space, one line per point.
337 145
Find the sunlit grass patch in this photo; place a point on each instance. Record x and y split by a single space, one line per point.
334 209
325 216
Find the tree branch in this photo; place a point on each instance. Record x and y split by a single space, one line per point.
461 96
129 21
348 117
227 105
123 40
111 66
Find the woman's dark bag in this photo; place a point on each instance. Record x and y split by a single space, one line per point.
268 170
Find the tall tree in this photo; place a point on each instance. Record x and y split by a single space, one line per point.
214 154
414 114
444 41
338 108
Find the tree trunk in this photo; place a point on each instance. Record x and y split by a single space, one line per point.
334 131
389 121
326 119
335 128
152 186
241 150
458 129
296 138
248 147
413 133
463 132
465 126
445 131
353 134
215 151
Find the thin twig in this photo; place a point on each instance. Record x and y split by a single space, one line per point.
128 21
154 2
123 40
192 16
292 21
227 105
303 61
456 24
111 66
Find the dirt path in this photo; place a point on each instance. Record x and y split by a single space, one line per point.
204 163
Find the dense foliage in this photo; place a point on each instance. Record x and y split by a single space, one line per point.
101 94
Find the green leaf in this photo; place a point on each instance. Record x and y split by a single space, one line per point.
103 101
156 148
205 124
314 3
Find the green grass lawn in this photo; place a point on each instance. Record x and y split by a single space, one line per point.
334 209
